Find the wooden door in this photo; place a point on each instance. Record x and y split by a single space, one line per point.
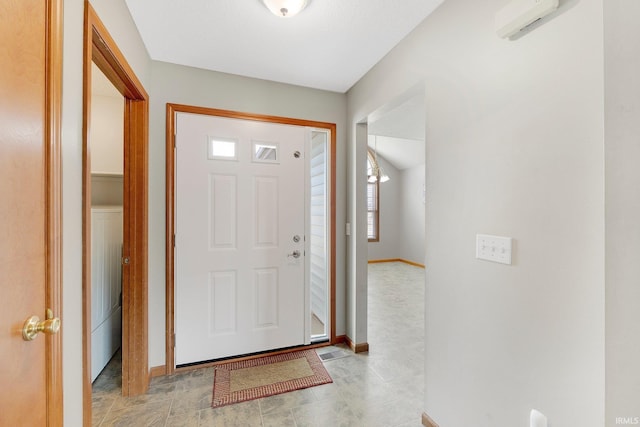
30 371
240 226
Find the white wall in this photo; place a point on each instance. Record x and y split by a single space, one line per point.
390 214
117 19
514 147
191 86
107 134
357 254
106 140
411 233
622 134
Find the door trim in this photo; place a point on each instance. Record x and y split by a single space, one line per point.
171 111
53 206
101 49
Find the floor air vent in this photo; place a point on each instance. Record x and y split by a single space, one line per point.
333 355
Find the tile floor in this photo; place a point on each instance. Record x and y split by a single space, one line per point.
383 387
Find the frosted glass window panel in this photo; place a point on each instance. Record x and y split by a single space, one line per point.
222 149
265 152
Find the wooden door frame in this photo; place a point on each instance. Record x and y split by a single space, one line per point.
53 205
101 49
171 111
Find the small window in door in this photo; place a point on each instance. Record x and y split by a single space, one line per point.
222 149
266 152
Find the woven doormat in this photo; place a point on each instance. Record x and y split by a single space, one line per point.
245 380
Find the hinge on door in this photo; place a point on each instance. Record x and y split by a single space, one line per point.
175 132
174 240
173 339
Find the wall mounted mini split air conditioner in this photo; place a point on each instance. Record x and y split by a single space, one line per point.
519 14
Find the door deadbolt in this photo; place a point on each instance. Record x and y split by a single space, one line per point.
296 238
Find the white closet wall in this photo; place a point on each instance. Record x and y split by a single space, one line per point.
106 285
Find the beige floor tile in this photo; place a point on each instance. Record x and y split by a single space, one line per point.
184 420
279 419
185 402
383 387
153 414
164 398
329 413
241 414
100 408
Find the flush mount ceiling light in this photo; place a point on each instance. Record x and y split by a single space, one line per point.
285 8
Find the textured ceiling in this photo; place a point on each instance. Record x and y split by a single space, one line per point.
330 45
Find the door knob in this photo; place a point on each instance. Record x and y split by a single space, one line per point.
294 254
33 325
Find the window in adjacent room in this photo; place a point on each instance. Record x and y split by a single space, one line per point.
373 203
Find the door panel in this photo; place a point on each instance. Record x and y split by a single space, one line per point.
24 175
223 202
239 203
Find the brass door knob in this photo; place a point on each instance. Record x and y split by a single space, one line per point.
33 326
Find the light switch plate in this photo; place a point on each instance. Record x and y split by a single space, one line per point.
493 248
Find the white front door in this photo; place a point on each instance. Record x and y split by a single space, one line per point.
240 224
